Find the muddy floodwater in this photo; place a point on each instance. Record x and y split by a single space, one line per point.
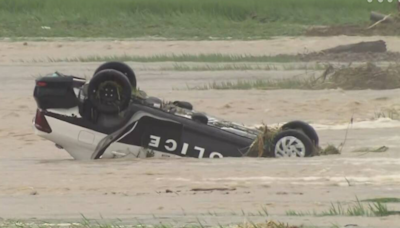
41 182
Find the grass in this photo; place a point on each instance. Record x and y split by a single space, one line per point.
366 76
215 58
297 213
383 200
374 209
239 67
236 67
86 223
259 84
178 19
231 58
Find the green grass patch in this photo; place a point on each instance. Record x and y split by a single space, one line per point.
297 213
268 84
86 223
235 58
365 76
178 19
214 58
383 200
239 67
374 209
222 67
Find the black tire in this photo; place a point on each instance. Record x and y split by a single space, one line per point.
109 99
200 118
304 127
183 104
121 67
303 138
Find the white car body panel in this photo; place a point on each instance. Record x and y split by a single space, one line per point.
81 142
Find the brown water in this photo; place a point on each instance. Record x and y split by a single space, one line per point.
39 181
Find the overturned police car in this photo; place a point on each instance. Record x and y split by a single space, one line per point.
108 117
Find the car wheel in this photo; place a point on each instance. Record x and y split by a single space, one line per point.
183 104
200 118
292 143
305 128
109 91
121 67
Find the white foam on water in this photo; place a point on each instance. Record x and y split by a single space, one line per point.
368 124
378 178
314 180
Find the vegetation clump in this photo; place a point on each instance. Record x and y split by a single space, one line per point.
329 150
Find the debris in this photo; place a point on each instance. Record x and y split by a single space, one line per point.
258 147
329 150
361 47
380 21
375 150
351 225
377 17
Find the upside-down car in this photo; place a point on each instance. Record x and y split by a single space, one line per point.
108 117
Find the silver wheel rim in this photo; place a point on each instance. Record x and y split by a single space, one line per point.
290 146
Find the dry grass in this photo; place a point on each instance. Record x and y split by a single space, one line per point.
261 147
